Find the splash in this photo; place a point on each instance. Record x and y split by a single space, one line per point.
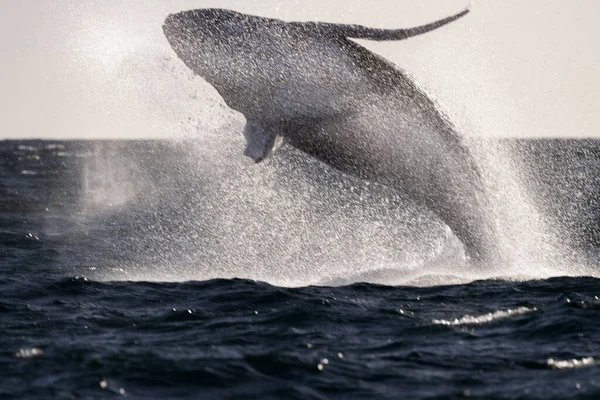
525 235
204 212
196 209
485 318
192 207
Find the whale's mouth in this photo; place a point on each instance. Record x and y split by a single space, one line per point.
176 33
216 23
168 27
185 28
180 29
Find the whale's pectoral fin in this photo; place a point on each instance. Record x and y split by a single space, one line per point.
363 32
260 142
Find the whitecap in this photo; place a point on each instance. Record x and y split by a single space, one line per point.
23 147
29 353
485 318
572 363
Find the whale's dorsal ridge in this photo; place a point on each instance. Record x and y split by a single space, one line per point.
363 32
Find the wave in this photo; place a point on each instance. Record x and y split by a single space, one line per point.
485 318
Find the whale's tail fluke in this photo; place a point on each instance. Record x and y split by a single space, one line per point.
363 32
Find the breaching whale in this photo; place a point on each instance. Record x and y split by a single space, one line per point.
308 84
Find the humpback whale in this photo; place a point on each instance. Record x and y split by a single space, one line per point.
310 85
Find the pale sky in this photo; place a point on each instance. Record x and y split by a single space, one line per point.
102 69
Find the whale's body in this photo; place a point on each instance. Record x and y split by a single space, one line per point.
310 85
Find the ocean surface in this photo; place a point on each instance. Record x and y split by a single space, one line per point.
172 270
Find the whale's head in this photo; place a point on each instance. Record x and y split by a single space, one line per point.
210 41
204 28
234 52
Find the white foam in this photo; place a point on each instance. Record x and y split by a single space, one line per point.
572 363
29 353
23 147
485 318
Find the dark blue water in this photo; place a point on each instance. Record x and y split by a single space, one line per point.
77 319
